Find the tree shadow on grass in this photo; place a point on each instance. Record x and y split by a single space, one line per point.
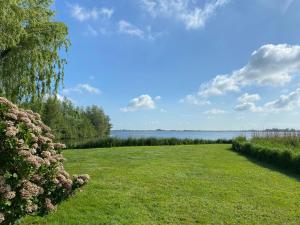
286 171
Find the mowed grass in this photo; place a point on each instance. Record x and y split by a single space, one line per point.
201 184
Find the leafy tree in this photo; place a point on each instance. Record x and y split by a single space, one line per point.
53 117
30 42
99 120
70 122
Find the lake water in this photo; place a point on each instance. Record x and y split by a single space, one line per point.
207 135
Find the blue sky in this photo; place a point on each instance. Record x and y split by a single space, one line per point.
185 64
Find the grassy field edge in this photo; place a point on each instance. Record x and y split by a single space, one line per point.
192 184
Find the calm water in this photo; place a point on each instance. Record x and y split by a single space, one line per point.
208 135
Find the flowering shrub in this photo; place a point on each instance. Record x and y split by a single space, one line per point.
32 176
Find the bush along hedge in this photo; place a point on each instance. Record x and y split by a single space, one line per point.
118 142
32 176
283 158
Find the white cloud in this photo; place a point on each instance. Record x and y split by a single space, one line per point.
186 11
218 86
82 14
193 100
103 14
215 111
157 98
81 88
248 106
247 102
272 65
59 97
145 102
91 31
89 88
284 103
125 27
249 98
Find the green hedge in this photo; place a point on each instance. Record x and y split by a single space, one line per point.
118 142
283 158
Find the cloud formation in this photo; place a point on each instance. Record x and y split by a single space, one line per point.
125 27
286 102
271 65
215 111
193 100
80 88
91 31
82 14
186 11
247 101
249 98
143 102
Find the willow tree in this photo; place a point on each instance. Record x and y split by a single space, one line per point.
30 46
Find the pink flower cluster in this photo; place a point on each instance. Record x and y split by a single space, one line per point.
82 179
2 218
32 171
48 205
30 190
5 190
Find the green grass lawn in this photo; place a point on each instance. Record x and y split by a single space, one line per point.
201 184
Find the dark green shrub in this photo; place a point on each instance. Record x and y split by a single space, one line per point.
284 158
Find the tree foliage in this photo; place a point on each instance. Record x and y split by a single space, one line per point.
99 120
30 42
70 122
31 68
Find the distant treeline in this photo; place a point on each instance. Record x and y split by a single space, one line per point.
281 130
118 142
70 122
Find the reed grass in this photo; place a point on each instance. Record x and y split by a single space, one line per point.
118 142
280 149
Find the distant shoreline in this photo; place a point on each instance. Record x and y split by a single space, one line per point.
162 130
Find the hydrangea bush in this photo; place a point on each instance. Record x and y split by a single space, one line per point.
32 176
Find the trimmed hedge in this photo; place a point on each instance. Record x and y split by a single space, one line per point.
118 142
283 158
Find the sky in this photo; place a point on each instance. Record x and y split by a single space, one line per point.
185 64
